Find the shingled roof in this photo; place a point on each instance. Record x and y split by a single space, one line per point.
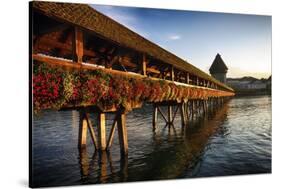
218 66
84 16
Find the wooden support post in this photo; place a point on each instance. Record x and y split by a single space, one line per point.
92 131
201 106
206 106
192 108
183 115
186 111
170 115
102 131
187 78
83 128
77 45
122 133
124 167
172 73
197 81
144 64
111 135
155 117
197 109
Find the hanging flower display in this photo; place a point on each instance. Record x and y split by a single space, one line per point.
54 88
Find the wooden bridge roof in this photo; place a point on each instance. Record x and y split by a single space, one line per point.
84 16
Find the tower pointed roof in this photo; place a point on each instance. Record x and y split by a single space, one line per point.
218 65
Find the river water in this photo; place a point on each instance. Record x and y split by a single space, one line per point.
234 140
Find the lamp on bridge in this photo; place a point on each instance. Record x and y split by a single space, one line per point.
218 69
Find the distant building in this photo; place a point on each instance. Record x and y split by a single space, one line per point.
250 85
218 69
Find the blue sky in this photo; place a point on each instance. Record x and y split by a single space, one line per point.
244 41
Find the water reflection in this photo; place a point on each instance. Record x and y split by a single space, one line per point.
102 160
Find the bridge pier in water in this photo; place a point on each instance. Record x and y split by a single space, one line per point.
189 111
100 141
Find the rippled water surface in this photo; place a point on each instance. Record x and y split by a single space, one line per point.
236 139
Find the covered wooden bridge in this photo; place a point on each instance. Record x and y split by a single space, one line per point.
84 60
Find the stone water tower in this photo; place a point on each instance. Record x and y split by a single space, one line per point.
218 69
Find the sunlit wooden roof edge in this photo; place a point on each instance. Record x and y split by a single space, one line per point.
84 16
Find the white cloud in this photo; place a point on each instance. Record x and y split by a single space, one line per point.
174 37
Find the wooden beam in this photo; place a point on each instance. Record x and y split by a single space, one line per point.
170 115
102 131
144 63
56 44
82 136
152 70
92 131
172 73
183 115
122 133
175 113
126 62
161 113
77 45
111 135
187 78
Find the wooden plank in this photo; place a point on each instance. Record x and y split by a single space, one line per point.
122 133
77 45
92 131
102 131
82 136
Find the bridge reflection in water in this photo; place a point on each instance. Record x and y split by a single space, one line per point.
191 142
